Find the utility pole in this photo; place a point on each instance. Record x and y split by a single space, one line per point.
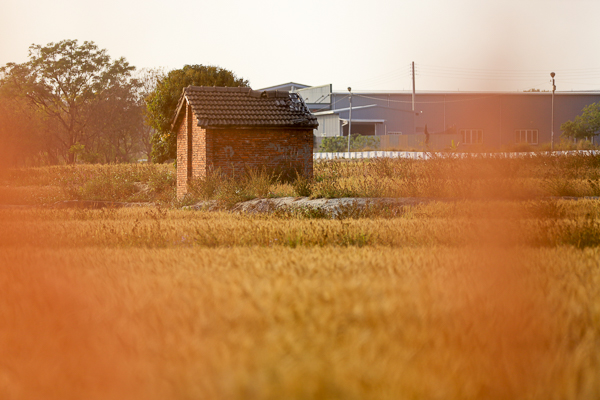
552 74
413 81
413 97
350 120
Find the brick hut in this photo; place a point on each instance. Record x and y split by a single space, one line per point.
234 129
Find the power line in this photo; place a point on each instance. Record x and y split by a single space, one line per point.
427 102
481 74
509 70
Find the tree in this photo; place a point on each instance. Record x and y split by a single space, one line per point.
64 81
115 128
20 141
119 130
148 78
585 125
162 102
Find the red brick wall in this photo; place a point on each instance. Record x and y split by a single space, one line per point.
182 157
235 150
198 151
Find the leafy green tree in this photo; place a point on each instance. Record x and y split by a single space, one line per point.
162 102
64 81
585 125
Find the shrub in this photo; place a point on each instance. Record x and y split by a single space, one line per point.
357 143
230 190
257 182
107 187
206 187
302 185
162 186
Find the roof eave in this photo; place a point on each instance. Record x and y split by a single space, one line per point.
183 101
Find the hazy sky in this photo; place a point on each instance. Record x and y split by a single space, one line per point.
368 44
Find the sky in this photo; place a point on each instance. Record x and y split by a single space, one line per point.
466 45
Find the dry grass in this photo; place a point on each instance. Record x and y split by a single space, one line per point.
456 224
319 323
117 182
32 195
440 302
474 177
466 299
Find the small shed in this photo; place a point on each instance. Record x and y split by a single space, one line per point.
235 129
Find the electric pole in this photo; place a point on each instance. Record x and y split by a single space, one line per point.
350 120
413 82
413 97
552 74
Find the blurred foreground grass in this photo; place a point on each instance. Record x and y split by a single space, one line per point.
465 300
319 323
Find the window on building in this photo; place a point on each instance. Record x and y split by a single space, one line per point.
472 136
529 136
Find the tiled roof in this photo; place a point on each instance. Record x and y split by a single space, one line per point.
244 107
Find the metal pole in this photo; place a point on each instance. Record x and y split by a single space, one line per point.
413 97
413 82
350 120
552 74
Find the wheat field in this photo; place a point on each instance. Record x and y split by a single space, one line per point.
462 300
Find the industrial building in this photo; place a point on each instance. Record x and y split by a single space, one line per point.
490 120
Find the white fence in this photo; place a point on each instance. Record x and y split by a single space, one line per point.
422 155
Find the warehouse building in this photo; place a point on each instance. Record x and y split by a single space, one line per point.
490 120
